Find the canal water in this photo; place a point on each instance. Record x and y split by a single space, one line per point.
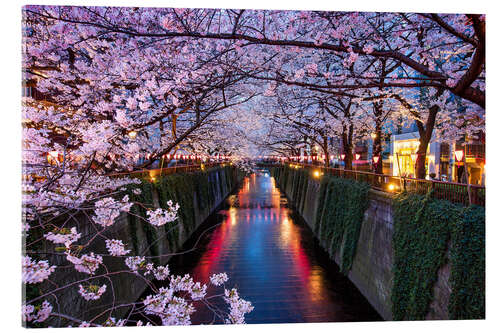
273 259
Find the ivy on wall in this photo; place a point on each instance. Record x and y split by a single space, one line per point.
467 256
193 192
421 235
340 211
423 229
343 215
427 233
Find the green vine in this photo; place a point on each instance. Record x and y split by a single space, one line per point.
421 235
467 256
424 228
180 188
340 211
427 232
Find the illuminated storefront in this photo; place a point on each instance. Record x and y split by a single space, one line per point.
443 161
475 161
404 155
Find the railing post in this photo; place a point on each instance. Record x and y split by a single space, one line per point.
474 195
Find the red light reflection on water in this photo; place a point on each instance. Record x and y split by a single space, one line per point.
259 239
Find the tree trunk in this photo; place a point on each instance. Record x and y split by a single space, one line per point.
377 148
325 151
420 162
377 141
347 146
425 138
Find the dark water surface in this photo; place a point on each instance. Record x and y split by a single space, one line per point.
273 259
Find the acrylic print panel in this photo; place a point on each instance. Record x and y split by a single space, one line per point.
211 166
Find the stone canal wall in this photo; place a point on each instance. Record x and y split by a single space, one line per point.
198 194
372 264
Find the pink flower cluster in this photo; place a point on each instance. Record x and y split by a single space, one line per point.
218 279
87 263
171 309
160 216
63 236
176 310
91 292
106 211
36 272
161 272
28 312
238 307
134 263
115 247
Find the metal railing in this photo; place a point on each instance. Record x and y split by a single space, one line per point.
455 192
153 173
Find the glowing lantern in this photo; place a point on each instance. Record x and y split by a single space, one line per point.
459 155
132 134
357 156
53 157
375 159
342 156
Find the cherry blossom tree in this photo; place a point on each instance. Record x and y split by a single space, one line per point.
106 100
119 88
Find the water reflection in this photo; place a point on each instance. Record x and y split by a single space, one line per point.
274 261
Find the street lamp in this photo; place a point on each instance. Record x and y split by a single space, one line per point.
357 157
316 173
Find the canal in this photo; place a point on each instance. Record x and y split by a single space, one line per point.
272 258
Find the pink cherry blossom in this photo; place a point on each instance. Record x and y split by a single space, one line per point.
36 272
91 292
115 247
218 279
